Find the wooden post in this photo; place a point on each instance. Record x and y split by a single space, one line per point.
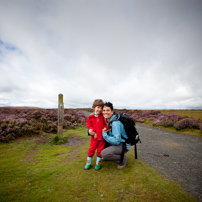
60 115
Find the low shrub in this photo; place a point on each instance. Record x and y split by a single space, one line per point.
15 123
57 141
187 123
165 120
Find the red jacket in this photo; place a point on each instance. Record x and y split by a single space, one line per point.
97 124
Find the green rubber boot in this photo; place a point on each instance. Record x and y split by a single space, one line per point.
98 163
87 167
97 167
88 163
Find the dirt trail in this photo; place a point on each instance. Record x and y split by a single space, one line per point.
175 156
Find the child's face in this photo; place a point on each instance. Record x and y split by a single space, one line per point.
98 110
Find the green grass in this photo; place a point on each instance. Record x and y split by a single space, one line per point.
33 171
188 113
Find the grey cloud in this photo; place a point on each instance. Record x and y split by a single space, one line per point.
143 54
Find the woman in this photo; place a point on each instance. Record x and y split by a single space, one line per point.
115 149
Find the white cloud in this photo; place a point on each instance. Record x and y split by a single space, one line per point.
136 54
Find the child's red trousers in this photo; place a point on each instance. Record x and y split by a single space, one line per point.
99 144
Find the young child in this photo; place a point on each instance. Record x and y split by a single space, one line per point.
96 122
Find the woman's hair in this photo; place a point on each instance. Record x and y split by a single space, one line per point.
109 104
98 102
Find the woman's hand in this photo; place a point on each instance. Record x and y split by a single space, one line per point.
91 132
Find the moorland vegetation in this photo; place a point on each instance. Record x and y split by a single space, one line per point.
18 122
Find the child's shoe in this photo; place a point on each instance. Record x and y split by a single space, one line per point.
98 163
97 167
87 167
88 163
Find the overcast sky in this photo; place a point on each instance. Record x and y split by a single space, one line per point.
137 54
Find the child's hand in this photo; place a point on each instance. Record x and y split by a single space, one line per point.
104 130
95 136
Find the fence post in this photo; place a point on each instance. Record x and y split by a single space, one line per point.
60 115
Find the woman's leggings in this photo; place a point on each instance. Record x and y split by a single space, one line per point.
113 153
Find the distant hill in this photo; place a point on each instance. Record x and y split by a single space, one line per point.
22 107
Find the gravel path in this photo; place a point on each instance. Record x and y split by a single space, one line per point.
175 156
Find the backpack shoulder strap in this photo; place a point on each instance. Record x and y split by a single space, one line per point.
110 123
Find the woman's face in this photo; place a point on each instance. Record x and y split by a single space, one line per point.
107 112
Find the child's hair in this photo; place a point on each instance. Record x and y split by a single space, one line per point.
109 104
98 102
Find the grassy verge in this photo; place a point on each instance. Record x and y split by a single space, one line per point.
33 170
188 113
